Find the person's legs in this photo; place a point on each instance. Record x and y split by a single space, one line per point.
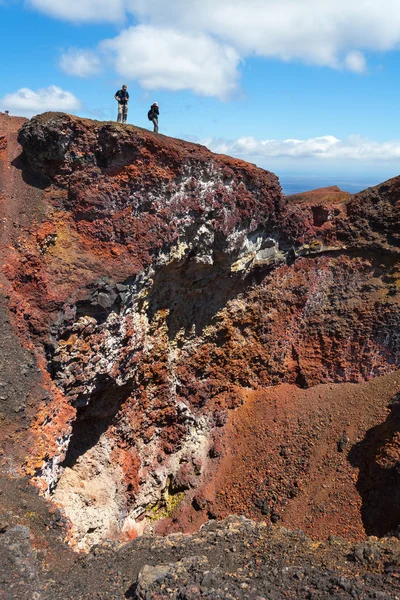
155 123
124 113
119 117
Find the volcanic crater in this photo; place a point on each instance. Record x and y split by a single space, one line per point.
194 344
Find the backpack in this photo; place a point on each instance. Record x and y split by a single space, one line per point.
150 114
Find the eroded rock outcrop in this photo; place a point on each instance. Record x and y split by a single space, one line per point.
157 284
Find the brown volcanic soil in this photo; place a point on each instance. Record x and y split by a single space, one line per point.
293 454
21 380
326 195
14 192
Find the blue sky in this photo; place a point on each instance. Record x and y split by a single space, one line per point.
301 87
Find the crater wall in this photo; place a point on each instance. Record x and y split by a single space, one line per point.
158 287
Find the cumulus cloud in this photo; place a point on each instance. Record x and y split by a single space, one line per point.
81 63
318 31
26 102
167 59
321 31
329 33
323 148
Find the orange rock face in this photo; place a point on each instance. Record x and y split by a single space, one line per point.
181 312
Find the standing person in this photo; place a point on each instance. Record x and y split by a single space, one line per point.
153 115
122 98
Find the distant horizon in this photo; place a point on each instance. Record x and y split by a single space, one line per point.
296 184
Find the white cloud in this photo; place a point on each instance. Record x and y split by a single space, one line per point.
317 31
167 59
82 63
322 148
203 35
26 102
80 11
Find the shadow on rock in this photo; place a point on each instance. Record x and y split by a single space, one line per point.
193 293
36 180
93 419
377 457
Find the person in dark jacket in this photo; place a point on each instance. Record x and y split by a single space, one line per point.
122 97
153 115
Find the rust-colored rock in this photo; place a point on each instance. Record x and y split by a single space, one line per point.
188 324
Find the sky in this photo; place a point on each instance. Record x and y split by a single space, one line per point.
308 89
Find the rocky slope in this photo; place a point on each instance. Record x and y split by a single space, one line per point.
181 342
232 559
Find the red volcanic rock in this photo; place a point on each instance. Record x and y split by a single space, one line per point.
370 217
156 284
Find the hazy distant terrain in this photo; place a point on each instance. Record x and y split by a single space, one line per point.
293 184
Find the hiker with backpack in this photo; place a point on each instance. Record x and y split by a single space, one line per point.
122 97
153 115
